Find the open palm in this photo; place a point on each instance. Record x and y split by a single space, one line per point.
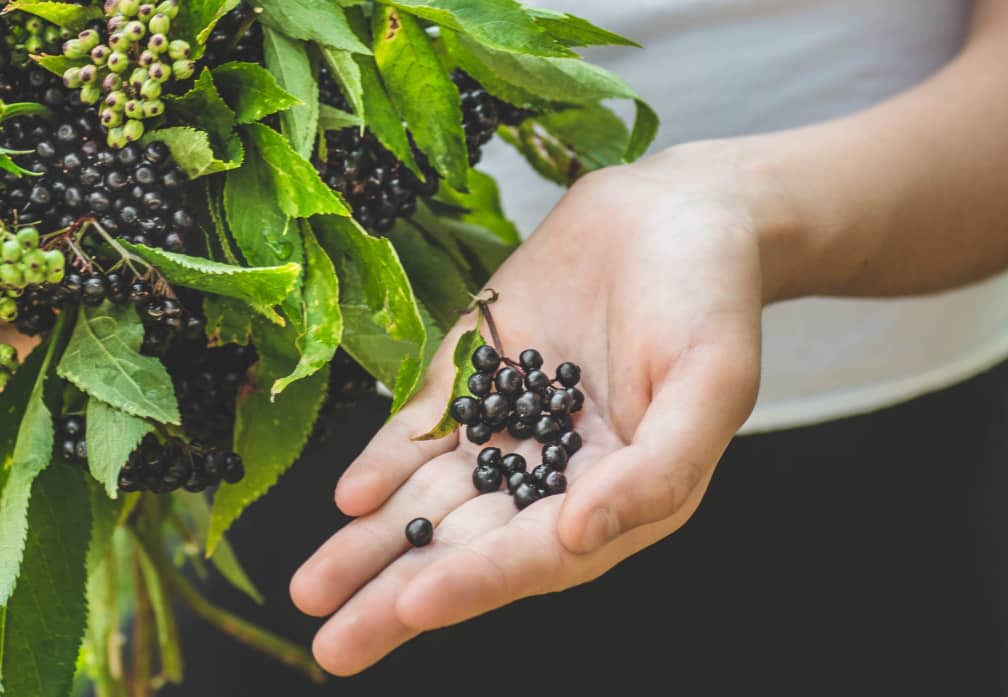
651 283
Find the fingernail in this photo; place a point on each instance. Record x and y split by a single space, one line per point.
600 529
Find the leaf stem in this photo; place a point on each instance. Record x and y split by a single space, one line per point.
143 635
256 637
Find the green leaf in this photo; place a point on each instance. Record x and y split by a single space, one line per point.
288 61
300 191
260 287
323 321
103 359
321 21
333 119
224 558
347 74
164 615
197 19
258 422
483 206
64 14
422 91
203 107
30 454
645 130
500 24
598 137
574 31
59 64
251 91
486 248
111 436
436 279
105 514
47 613
260 229
14 402
462 360
192 150
382 326
227 320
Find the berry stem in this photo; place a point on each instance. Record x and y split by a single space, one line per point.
244 631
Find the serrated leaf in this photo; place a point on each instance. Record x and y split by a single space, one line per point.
202 107
321 21
437 280
192 150
333 119
251 91
46 614
382 326
103 360
224 557
197 19
260 229
347 73
499 24
462 360
59 64
260 420
422 92
595 133
111 436
29 453
323 322
260 287
575 31
64 14
227 320
300 192
288 61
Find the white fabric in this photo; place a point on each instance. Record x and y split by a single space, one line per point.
715 68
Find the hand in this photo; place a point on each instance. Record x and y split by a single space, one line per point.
649 278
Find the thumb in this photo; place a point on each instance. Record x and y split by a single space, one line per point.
684 433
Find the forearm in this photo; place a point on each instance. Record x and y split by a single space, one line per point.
908 197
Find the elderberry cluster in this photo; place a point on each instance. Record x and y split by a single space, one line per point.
158 466
523 399
482 114
22 264
8 364
27 35
131 61
206 384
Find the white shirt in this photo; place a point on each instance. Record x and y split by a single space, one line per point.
716 68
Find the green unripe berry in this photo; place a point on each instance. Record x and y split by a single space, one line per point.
74 49
151 90
170 8
153 109
56 275
11 251
184 69
118 62
135 30
134 109
90 94
111 118
138 77
116 23
34 45
88 74
146 11
53 35
54 259
146 58
159 72
160 24
112 82
100 54
88 38
179 49
116 139
35 260
119 41
28 237
34 25
157 44
34 275
128 7
116 100
8 310
71 78
133 130
12 275
8 357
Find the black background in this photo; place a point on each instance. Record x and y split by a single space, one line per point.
863 557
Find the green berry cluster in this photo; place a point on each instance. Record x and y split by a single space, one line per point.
128 71
28 35
24 263
8 364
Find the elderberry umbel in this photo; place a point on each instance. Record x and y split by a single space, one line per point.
519 397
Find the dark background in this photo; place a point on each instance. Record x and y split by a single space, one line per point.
864 557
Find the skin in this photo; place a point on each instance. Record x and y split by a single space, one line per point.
672 260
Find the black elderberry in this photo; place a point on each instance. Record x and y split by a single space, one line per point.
560 403
521 429
508 381
466 410
479 433
577 399
512 463
486 359
555 483
94 290
496 409
540 473
571 441
481 384
489 457
140 292
419 532
525 494
568 374
555 456
537 381
234 469
528 405
530 359
487 479
547 430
